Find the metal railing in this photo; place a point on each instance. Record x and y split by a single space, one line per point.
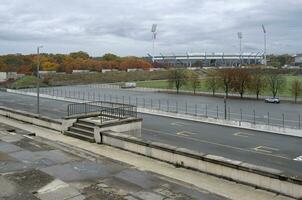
216 111
106 110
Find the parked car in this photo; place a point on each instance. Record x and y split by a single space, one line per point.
272 100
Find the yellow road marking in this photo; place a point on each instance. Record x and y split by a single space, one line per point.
265 149
178 124
218 144
242 134
185 133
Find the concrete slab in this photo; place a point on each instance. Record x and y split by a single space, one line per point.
9 148
148 196
140 178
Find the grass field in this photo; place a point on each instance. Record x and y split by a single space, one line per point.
163 84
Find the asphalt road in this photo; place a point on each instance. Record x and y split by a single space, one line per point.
260 148
200 105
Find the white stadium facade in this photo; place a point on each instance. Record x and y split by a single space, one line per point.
209 59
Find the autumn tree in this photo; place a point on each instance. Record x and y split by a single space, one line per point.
226 76
241 80
296 89
258 83
177 78
275 82
212 81
194 80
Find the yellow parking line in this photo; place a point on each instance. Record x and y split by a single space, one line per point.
265 149
242 134
218 144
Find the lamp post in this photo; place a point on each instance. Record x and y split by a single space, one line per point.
153 31
38 76
240 46
264 34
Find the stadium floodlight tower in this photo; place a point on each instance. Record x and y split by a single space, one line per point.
154 33
264 51
240 46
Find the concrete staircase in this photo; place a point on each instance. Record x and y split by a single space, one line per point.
82 130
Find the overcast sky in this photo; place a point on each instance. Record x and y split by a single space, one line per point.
123 26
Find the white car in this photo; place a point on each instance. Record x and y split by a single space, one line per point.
272 100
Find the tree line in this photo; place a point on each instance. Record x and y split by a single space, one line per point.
235 80
26 64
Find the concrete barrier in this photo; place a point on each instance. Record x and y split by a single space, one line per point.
260 177
31 118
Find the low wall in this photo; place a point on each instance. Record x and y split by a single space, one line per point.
260 177
31 118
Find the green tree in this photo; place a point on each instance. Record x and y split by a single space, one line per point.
80 54
194 80
110 57
276 83
177 78
212 81
258 83
296 89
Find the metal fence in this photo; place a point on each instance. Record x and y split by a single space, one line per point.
106 110
217 111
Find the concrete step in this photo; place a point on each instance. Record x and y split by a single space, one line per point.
80 136
81 131
84 126
87 123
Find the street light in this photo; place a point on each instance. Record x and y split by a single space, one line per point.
240 46
264 33
154 33
38 76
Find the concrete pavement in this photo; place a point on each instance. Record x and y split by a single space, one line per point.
81 173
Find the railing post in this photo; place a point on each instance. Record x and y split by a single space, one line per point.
206 110
159 106
240 117
217 116
186 107
168 109
254 117
176 106
151 103
195 110
283 120
267 118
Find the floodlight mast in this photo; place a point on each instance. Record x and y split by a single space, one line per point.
264 34
240 46
153 30
38 77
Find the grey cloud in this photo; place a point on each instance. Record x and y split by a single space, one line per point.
123 26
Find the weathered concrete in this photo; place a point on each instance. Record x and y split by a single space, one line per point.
260 177
225 188
31 118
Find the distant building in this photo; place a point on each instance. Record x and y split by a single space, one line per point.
8 75
298 59
134 69
209 59
80 71
47 72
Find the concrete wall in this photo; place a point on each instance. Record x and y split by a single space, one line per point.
31 118
261 177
